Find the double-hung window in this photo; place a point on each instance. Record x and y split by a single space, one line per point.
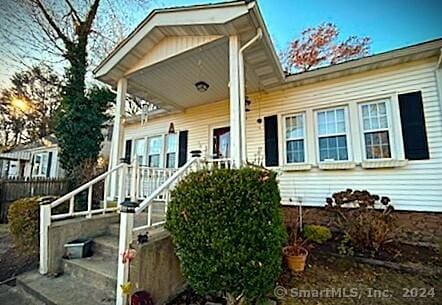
295 139
40 165
332 134
155 145
140 151
375 128
170 150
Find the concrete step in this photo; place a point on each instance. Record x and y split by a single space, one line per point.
99 270
106 245
64 290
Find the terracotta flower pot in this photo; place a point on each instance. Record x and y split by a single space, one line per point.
295 257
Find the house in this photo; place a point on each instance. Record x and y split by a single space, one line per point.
40 159
37 159
223 100
373 123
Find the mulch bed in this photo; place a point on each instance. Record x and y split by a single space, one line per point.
190 297
395 251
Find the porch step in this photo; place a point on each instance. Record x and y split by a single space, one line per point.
100 270
106 245
64 290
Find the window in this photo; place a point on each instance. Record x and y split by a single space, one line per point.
332 135
170 151
140 151
154 151
294 139
375 130
40 166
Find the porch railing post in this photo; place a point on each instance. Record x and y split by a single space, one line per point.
125 236
45 222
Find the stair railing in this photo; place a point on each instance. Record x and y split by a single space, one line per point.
127 218
48 214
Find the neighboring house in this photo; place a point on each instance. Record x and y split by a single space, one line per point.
373 123
40 159
37 159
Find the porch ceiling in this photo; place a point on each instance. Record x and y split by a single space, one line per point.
168 78
171 84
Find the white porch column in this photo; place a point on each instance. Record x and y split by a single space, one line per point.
117 135
235 107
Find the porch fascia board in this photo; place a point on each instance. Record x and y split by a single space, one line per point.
175 17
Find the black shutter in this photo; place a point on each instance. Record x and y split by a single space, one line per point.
413 126
271 140
182 151
48 168
32 166
128 151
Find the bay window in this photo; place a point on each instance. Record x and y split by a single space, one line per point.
332 135
295 139
375 128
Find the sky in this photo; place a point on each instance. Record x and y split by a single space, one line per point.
390 24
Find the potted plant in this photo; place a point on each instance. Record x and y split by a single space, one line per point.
295 253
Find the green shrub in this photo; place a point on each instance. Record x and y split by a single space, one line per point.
317 234
23 222
228 231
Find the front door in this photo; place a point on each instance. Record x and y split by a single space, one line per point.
221 143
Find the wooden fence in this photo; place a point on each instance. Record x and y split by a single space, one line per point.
13 189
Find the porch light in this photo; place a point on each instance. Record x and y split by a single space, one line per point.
202 86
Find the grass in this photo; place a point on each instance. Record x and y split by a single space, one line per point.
371 285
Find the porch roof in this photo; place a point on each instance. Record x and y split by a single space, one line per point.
174 48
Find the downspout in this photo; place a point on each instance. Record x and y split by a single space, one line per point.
242 94
438 73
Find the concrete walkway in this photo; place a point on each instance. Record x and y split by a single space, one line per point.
10 296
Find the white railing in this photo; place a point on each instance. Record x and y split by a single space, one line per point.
149 179
48 214
219 163
89 186
127 219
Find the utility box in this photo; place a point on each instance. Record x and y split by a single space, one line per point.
78 248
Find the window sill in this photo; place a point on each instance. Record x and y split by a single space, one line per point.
336 165
296 167
383 163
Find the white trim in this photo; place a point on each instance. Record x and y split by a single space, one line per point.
284 140
347 134
388 129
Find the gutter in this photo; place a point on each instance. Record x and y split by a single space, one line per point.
242 92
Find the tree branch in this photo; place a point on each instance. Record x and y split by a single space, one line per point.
91 16
74 12
52 22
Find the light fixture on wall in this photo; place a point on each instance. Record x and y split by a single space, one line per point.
202 86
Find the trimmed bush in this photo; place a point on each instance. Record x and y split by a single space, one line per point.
23 222
228 231
317 234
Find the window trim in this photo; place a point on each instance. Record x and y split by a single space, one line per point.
284 137
350 157
165 147
41 154
389 129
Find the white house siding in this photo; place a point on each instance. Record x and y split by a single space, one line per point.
416 186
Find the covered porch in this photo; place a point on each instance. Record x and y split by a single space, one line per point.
179 59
